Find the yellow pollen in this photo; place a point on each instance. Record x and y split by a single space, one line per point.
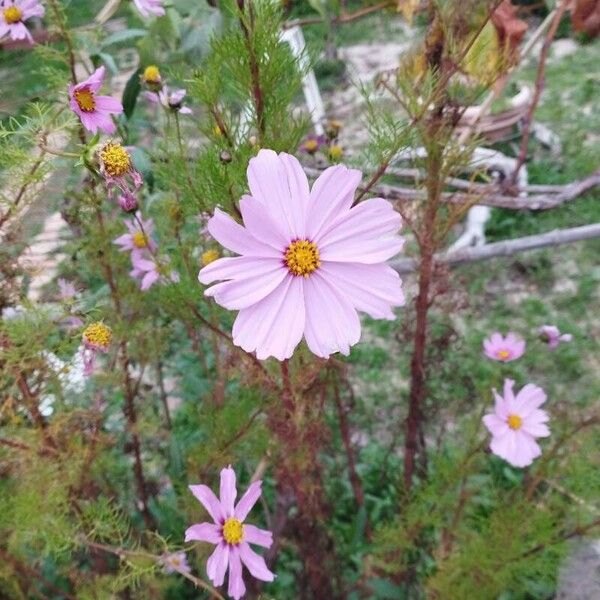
233 531
98 334
115 159
139 240
311 145
503 354
335 152
514 421
85 99
151 74
302 257
209 256
12 14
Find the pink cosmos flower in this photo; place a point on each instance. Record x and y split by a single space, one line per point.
67 290
504 349
94 111
516 422
553 336
128 201
116 166
230 534
138 237
152 270
150 7
175 562
96 338
309 260
14 13
173 100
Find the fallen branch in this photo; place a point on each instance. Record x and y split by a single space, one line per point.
506 248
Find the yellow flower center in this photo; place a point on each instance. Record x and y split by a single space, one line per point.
233 531
12 14
139 240
98 334
514 422
503 354
85 99
116 159
335 152
151 74
311 145
302 257
209 256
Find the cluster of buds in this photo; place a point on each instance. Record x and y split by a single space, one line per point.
326 144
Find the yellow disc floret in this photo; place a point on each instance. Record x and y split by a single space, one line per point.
139 239
514 422
209 256
302 257
503 354
85 99
335 152
115 159
233 531
98 334
311 146
12 15
151 74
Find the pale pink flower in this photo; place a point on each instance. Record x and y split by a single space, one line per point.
553 336
150 7
138 238
516 422
14 13
151 269
309 260
230 534
504 349
171 99
175 562
67 290
93 110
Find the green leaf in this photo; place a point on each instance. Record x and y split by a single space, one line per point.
122 36
131 93
386 589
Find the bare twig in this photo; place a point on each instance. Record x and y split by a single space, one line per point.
344 16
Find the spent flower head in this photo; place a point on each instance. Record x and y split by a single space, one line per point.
14 13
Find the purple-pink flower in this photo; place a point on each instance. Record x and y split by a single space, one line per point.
138 237
96 338
152 269
504 349
66 289
14 13
309 260
516 423
553 336
312 143
171 99
150 7
93 110
175 562
230 534
128 201
117 168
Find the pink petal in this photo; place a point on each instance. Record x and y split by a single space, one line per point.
273 326
374 289
280 184
255 563
237 238
500 408
109 104
495 425
261 225
242 293
535 429
260 537
516 447
228 491
332 324
529 398
149 279
331 195
238 268
248 500
209 501
204 532
236 588
216 565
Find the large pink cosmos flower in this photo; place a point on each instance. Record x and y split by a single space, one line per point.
504 349
230 534
150 7
94 111
516 422
309 260
13 13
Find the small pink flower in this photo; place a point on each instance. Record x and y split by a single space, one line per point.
14 13
67 290
138 238
516 422
173 100
230 534
553 336
152 270
96 338
128 201
94 111
150 7
175 562
309 260
116 166
503 349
